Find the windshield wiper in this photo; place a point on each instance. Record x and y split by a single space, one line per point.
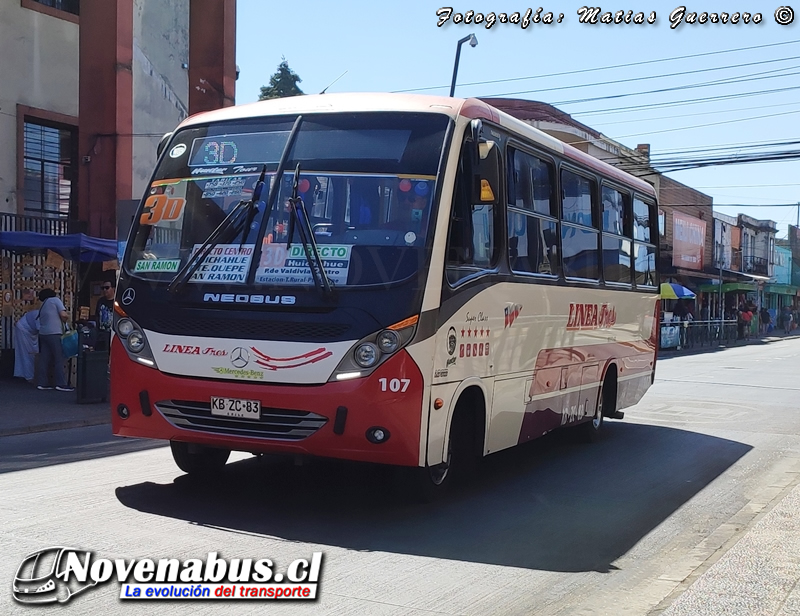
299 218
273 194
234 221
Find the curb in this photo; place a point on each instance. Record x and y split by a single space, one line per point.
59 425
721 347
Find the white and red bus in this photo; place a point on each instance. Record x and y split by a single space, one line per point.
406 280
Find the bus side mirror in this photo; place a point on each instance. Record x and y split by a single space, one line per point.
162 144
486 170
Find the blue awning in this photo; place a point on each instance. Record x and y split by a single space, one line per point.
75 246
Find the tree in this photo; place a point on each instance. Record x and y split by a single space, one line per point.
282 83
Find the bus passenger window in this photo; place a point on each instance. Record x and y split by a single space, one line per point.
532 226
580 255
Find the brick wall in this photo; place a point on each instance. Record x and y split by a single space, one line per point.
674 196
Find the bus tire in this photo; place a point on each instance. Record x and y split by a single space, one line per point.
589 431
429 483
198 459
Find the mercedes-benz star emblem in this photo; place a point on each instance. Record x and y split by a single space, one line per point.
128 296
240 357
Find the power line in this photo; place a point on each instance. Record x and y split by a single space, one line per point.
604 68
750 145
689 115
690 101
726 81
679 74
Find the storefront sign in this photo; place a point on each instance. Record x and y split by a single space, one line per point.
688 241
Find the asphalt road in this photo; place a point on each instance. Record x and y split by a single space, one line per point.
634 524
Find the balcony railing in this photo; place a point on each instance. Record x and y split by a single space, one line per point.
756 265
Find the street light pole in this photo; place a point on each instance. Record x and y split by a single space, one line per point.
472 43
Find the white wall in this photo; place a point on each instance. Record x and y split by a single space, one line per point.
38 68
160 84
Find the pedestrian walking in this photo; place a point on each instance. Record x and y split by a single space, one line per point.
747 318
788 319
765 320
52 316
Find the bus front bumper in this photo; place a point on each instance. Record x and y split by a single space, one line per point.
343 419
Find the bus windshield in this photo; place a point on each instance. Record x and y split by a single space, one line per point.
367 183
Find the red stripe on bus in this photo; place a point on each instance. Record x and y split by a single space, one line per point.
474 109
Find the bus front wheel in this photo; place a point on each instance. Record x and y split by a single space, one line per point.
429 483
195 459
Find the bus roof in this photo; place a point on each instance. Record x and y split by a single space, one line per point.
421 103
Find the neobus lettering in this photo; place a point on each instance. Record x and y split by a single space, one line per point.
230 298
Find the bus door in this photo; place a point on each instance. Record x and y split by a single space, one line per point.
471 257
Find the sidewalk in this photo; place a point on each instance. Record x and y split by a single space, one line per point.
25 409
712 348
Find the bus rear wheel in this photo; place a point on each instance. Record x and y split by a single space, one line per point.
195 459
589 431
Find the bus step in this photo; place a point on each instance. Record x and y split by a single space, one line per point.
618 415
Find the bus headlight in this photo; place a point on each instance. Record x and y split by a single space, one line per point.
124 327
388 341
135 341
372 350
367 355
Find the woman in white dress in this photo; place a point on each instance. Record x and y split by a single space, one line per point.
26 345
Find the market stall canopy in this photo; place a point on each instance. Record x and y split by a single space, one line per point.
75 246
672 290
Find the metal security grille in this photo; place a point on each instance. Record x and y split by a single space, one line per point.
70 6
48 162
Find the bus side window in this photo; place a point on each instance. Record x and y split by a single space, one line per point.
471 245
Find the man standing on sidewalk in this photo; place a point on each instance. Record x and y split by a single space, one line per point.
52 316
787 319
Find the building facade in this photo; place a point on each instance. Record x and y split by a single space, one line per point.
89 87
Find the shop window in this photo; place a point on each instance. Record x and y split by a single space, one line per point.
48 162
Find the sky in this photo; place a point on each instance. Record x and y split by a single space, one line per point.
361 46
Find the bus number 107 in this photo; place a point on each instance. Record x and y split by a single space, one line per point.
394 385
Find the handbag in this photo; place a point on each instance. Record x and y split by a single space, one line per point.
69 342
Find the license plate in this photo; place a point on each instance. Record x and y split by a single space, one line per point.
236 407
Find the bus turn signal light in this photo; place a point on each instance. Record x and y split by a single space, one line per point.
438 403
487 194
404 323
